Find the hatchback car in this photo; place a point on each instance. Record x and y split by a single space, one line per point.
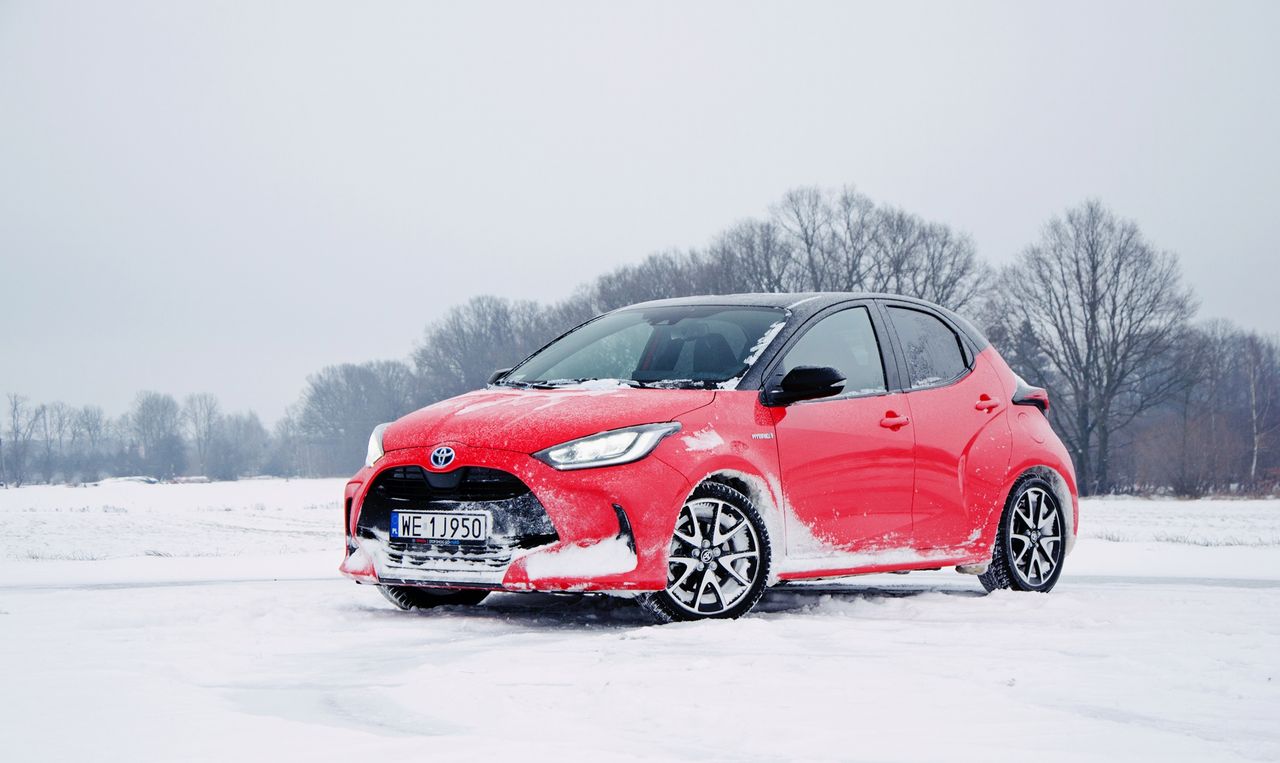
691 452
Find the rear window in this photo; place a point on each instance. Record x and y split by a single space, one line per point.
933 351
696 345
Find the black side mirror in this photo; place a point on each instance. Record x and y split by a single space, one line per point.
497 375
802 383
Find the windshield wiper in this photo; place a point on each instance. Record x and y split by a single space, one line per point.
677 384
524 384
636 383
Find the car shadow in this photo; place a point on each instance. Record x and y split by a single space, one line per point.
787 598
574 611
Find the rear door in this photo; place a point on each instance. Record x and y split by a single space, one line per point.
846 461
961 432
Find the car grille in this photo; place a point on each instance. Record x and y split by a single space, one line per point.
519 521
468 484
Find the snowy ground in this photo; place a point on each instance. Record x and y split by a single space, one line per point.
158 622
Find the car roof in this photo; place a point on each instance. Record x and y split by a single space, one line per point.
798 302
802 305
791 300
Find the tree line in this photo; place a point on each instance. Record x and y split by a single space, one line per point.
157 437
1146 397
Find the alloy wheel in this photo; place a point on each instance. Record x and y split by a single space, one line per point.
714 557
1035 537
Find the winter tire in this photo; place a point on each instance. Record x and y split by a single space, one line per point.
1030 545
719 557
411 597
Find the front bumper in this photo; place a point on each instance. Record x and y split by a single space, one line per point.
612 527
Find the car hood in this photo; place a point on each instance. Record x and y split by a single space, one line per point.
526 420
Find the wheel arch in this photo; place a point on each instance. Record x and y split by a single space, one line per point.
1062 492
767 501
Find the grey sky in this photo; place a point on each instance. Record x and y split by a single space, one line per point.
228 196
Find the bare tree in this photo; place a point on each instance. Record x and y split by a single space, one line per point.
1106 309
155 422
1196 451
946 269
238 448
288 451
45 461
1261 366
658 276
55 425
758 254
90 428
92 423
854 229
342 404
23 424
895 249
841 241
154 416
202 415
461 351
807 217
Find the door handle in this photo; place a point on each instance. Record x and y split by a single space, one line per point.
986 403
893 421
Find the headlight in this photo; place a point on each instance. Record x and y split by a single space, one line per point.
375 445
619 446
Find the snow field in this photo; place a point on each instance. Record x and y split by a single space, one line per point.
235 638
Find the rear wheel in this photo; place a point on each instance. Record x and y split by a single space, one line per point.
1031 544
718 562
411 597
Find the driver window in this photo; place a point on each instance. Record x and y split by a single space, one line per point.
847 342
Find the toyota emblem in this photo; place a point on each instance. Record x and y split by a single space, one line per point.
442 457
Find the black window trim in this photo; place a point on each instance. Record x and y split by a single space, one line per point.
884 344
967 350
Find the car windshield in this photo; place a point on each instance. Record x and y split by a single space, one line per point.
690 346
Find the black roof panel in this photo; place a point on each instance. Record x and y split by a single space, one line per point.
804 304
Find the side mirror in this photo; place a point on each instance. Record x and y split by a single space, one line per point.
497 375
802 383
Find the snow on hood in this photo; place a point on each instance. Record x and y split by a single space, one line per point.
528 420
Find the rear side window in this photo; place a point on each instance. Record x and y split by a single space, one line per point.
845 341
933 350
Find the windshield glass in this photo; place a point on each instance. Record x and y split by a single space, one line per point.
700 346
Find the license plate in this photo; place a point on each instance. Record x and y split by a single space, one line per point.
445 527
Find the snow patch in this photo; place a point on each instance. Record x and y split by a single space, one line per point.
608 557
807 550
837 559
703 439
756 349
764 341
480 406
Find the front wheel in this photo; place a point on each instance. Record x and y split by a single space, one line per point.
718 562
1031 545
410 597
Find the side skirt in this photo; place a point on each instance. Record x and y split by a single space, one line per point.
875 562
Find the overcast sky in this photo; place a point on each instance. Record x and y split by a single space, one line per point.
228 196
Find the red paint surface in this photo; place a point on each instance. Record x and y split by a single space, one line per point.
848 479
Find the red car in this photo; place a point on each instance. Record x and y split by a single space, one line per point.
691 452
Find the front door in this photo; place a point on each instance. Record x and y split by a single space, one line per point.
847 462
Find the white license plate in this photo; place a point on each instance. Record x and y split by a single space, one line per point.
446 527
